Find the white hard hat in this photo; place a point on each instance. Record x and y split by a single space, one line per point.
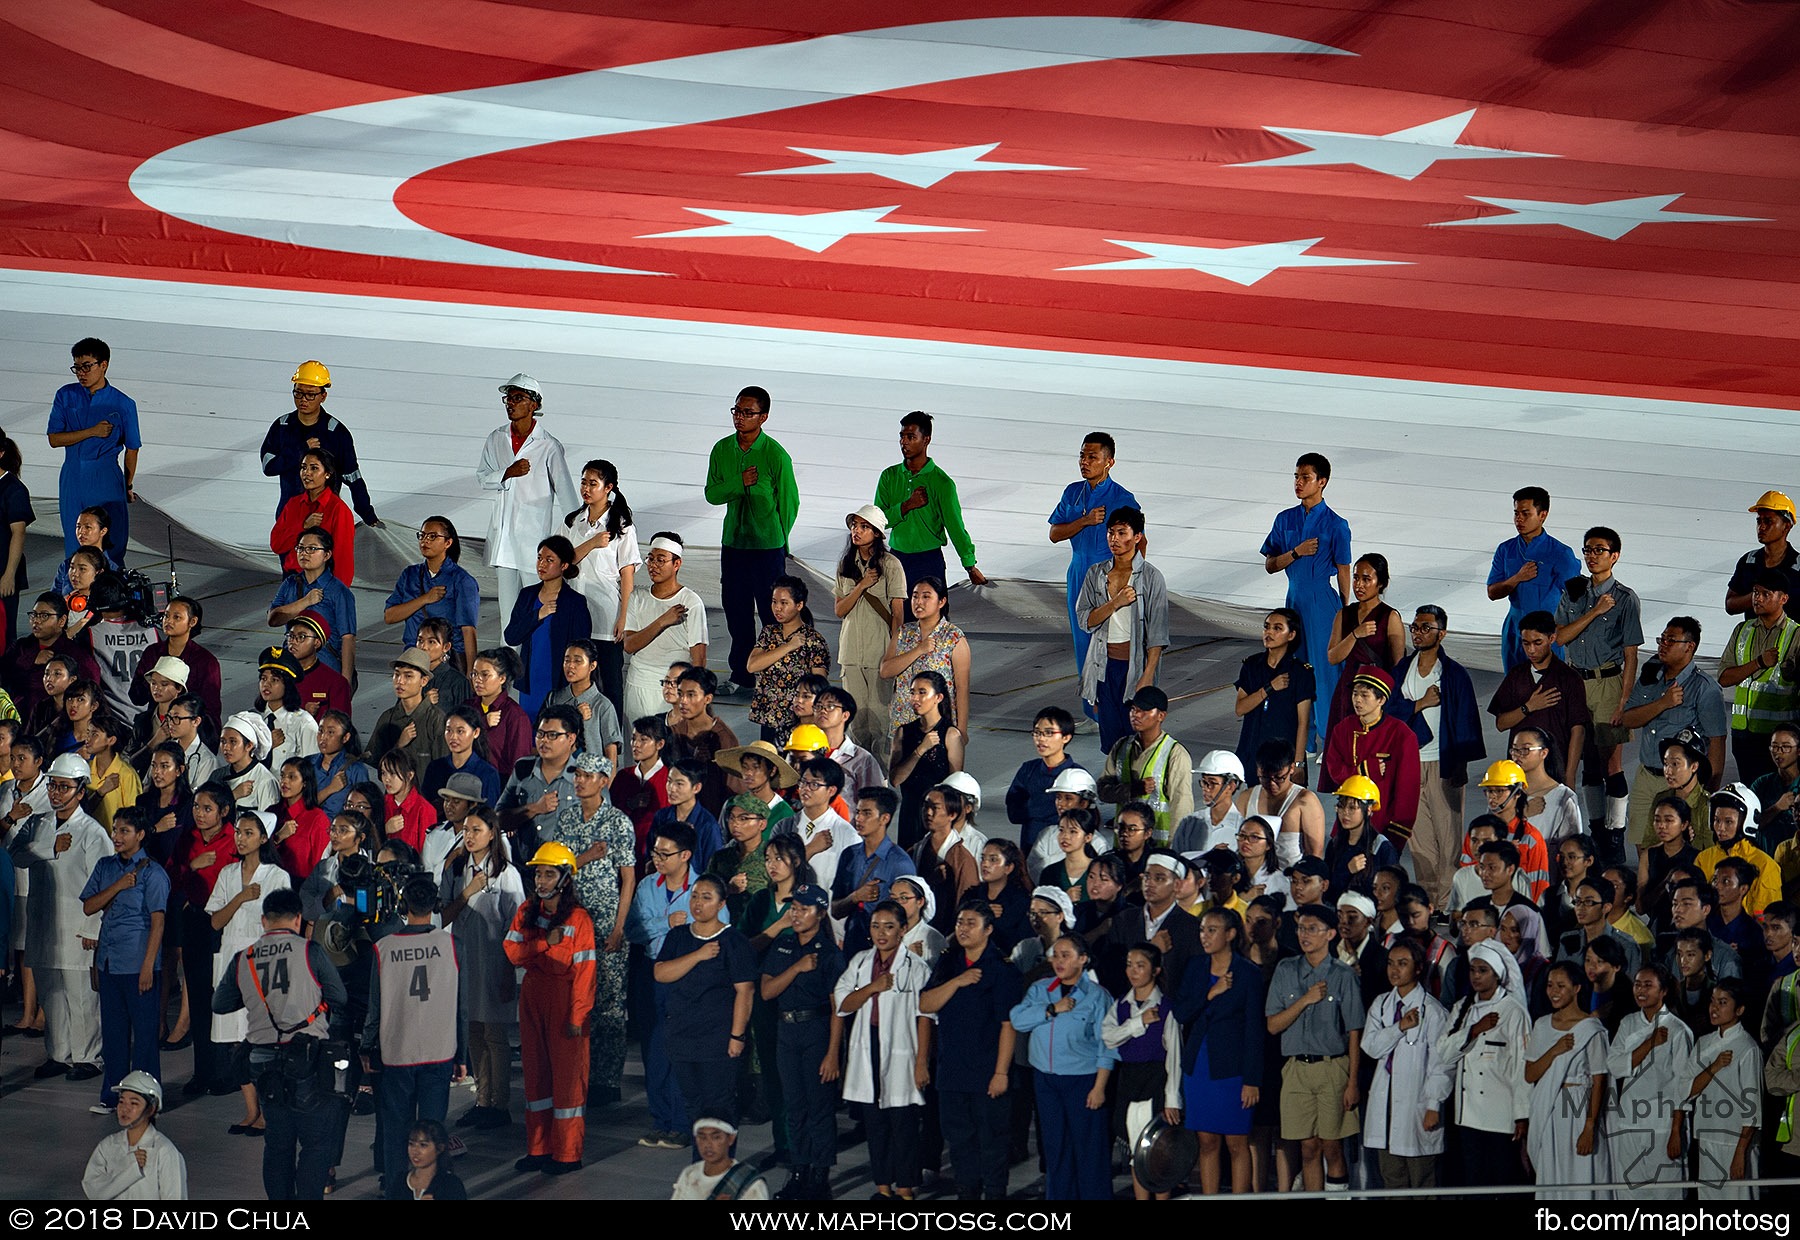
526 383
1748 800
964 783
1220 762
1077 781
69 766
141 1082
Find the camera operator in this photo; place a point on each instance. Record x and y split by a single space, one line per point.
122 630
290 992
412 1022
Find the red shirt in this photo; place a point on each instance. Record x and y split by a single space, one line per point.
338 521
1388 754
302 850
416 818
196 884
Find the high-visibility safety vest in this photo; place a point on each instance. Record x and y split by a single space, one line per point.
1154 764
1767 697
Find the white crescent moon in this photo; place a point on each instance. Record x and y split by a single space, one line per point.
327 179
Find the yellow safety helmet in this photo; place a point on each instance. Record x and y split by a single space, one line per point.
315 374
554 854
807 738
1775 501
1361 788
1504 774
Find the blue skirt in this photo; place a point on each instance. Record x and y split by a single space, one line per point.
1213 1106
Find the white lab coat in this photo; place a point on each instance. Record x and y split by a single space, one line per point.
1411 1078
1638 1127
57 923
244 928
1488 1089
899 1030
490 985
529 509
113 1173
39 800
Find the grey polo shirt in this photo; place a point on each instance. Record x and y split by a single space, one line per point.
1602 643
1323 1028
1702 708
522 790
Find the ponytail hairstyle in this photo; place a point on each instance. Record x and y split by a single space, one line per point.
618 512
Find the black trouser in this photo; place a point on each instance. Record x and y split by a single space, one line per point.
918 565
316 1132
197 940
976 1130
1486 1158
709 1087
612 680
811 1104
893 1143
746 580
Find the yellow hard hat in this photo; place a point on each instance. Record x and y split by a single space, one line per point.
554 854
316 374
1361 788
1774 501
1504 774
807 738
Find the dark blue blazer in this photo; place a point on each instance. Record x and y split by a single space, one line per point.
1231 1025
1459 715
568 622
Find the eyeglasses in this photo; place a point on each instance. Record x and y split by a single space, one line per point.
81 368
665 854
431 536
1774 746
1045 733
1666 640
50 615
513 398
746 413
172 717
1590 902
1521 750
1422 628
551 733
1596 549
809 782
309 548
300 394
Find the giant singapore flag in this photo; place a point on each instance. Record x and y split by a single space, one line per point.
1539 194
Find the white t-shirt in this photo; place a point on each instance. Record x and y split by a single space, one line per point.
598 577
670 645
1414 687
693 1184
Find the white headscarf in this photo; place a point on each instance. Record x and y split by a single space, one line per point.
1494 955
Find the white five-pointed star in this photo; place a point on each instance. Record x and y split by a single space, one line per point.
1405 153
1611 220
817 231
1241 264
921 169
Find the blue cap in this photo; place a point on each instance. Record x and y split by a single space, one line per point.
812 895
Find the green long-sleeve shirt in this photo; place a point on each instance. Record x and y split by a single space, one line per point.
930 527
757 518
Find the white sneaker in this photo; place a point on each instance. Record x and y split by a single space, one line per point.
100 1108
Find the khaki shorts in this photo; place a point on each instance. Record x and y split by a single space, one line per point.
1312 1100
1603 697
